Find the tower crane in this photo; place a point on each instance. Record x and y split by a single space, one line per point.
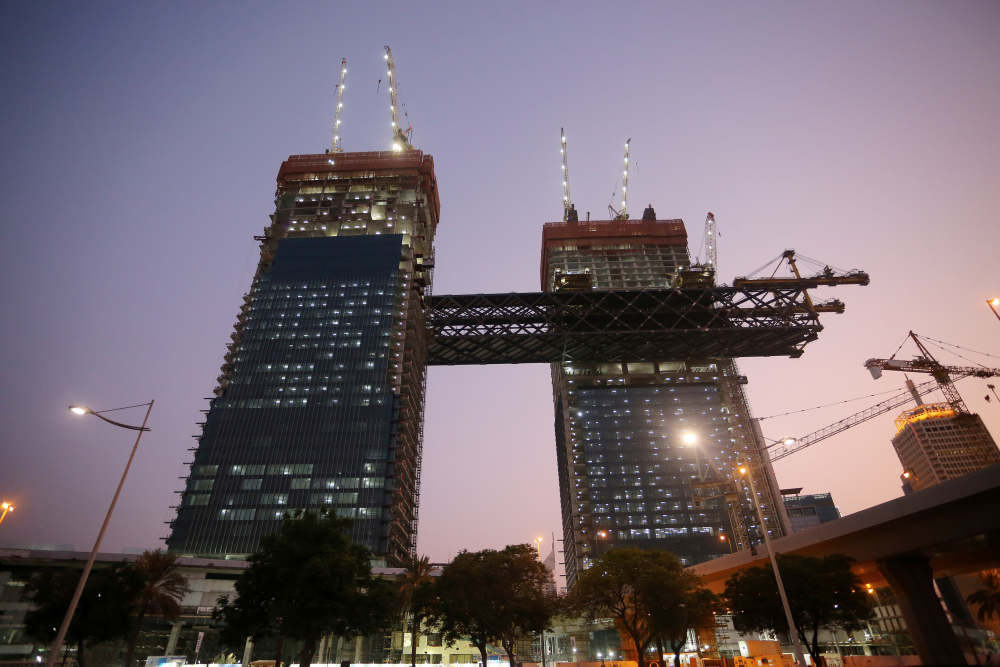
926 363
569 212
400 137
710 247
335 144
944 379
622 214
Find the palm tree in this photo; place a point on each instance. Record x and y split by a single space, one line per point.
162 590
987 597
412 584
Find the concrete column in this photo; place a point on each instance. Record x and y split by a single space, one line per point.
175 633
247 652
358 642
911 579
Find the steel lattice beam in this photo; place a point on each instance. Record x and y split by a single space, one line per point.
619 325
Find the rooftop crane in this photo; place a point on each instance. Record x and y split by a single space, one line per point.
710 247
926 363
622 214
335 144
400 138
944 378
569 212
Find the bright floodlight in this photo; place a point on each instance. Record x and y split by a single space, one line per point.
995 302
789 441
77 409
690 438
743 471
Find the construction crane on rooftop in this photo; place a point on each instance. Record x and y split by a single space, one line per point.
710 244
944 380
623 213
400 137
926 363
567 202
335 144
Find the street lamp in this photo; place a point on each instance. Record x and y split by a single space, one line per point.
799 657
81 410
993 304
7 507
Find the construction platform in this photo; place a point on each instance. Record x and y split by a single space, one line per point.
621 325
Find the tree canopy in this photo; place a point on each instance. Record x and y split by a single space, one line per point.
163 587
643 590
493 596
987 597
102 615
822 593
307 581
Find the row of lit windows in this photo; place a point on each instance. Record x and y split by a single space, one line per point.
251 514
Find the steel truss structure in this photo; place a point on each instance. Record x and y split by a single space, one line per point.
623 325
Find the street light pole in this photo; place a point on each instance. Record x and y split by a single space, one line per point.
993 303
799 657
7 507
61 635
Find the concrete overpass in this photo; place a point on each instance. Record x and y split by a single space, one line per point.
906 543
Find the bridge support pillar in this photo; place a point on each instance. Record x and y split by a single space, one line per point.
912 580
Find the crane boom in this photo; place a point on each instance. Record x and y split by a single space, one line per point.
400 138
567 202
623 213
888 405
335 144
928 364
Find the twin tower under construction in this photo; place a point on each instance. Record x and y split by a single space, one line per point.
320 403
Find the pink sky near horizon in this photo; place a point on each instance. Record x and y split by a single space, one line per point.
141 145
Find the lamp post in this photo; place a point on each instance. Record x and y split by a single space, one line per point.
993 304
799 657
7 507
80 410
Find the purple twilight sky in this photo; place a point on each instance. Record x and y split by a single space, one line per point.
139 147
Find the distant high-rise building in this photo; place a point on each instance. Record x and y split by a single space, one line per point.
935 443
808 510
626 474
320 401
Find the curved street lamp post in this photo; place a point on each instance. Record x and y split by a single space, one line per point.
80 410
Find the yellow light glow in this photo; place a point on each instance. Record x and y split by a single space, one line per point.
926 411
995 302
743 471
690 438
76 409
8 507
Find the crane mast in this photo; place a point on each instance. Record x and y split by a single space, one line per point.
623 213
710 246
567 202
400 138
335 144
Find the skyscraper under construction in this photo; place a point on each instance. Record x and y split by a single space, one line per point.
320 401
647 451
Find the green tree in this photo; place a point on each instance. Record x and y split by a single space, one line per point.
102 615
308 581
678 605
629 585
822 593
163 587
415 596
493 596
987 597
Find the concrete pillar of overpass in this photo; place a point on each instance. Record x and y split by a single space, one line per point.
912 581
175 633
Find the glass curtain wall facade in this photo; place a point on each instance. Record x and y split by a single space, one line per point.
626 474
320 401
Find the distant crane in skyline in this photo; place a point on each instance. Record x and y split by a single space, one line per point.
400 137
623 213
567 201
335 144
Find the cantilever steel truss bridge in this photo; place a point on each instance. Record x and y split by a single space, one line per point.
776 319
